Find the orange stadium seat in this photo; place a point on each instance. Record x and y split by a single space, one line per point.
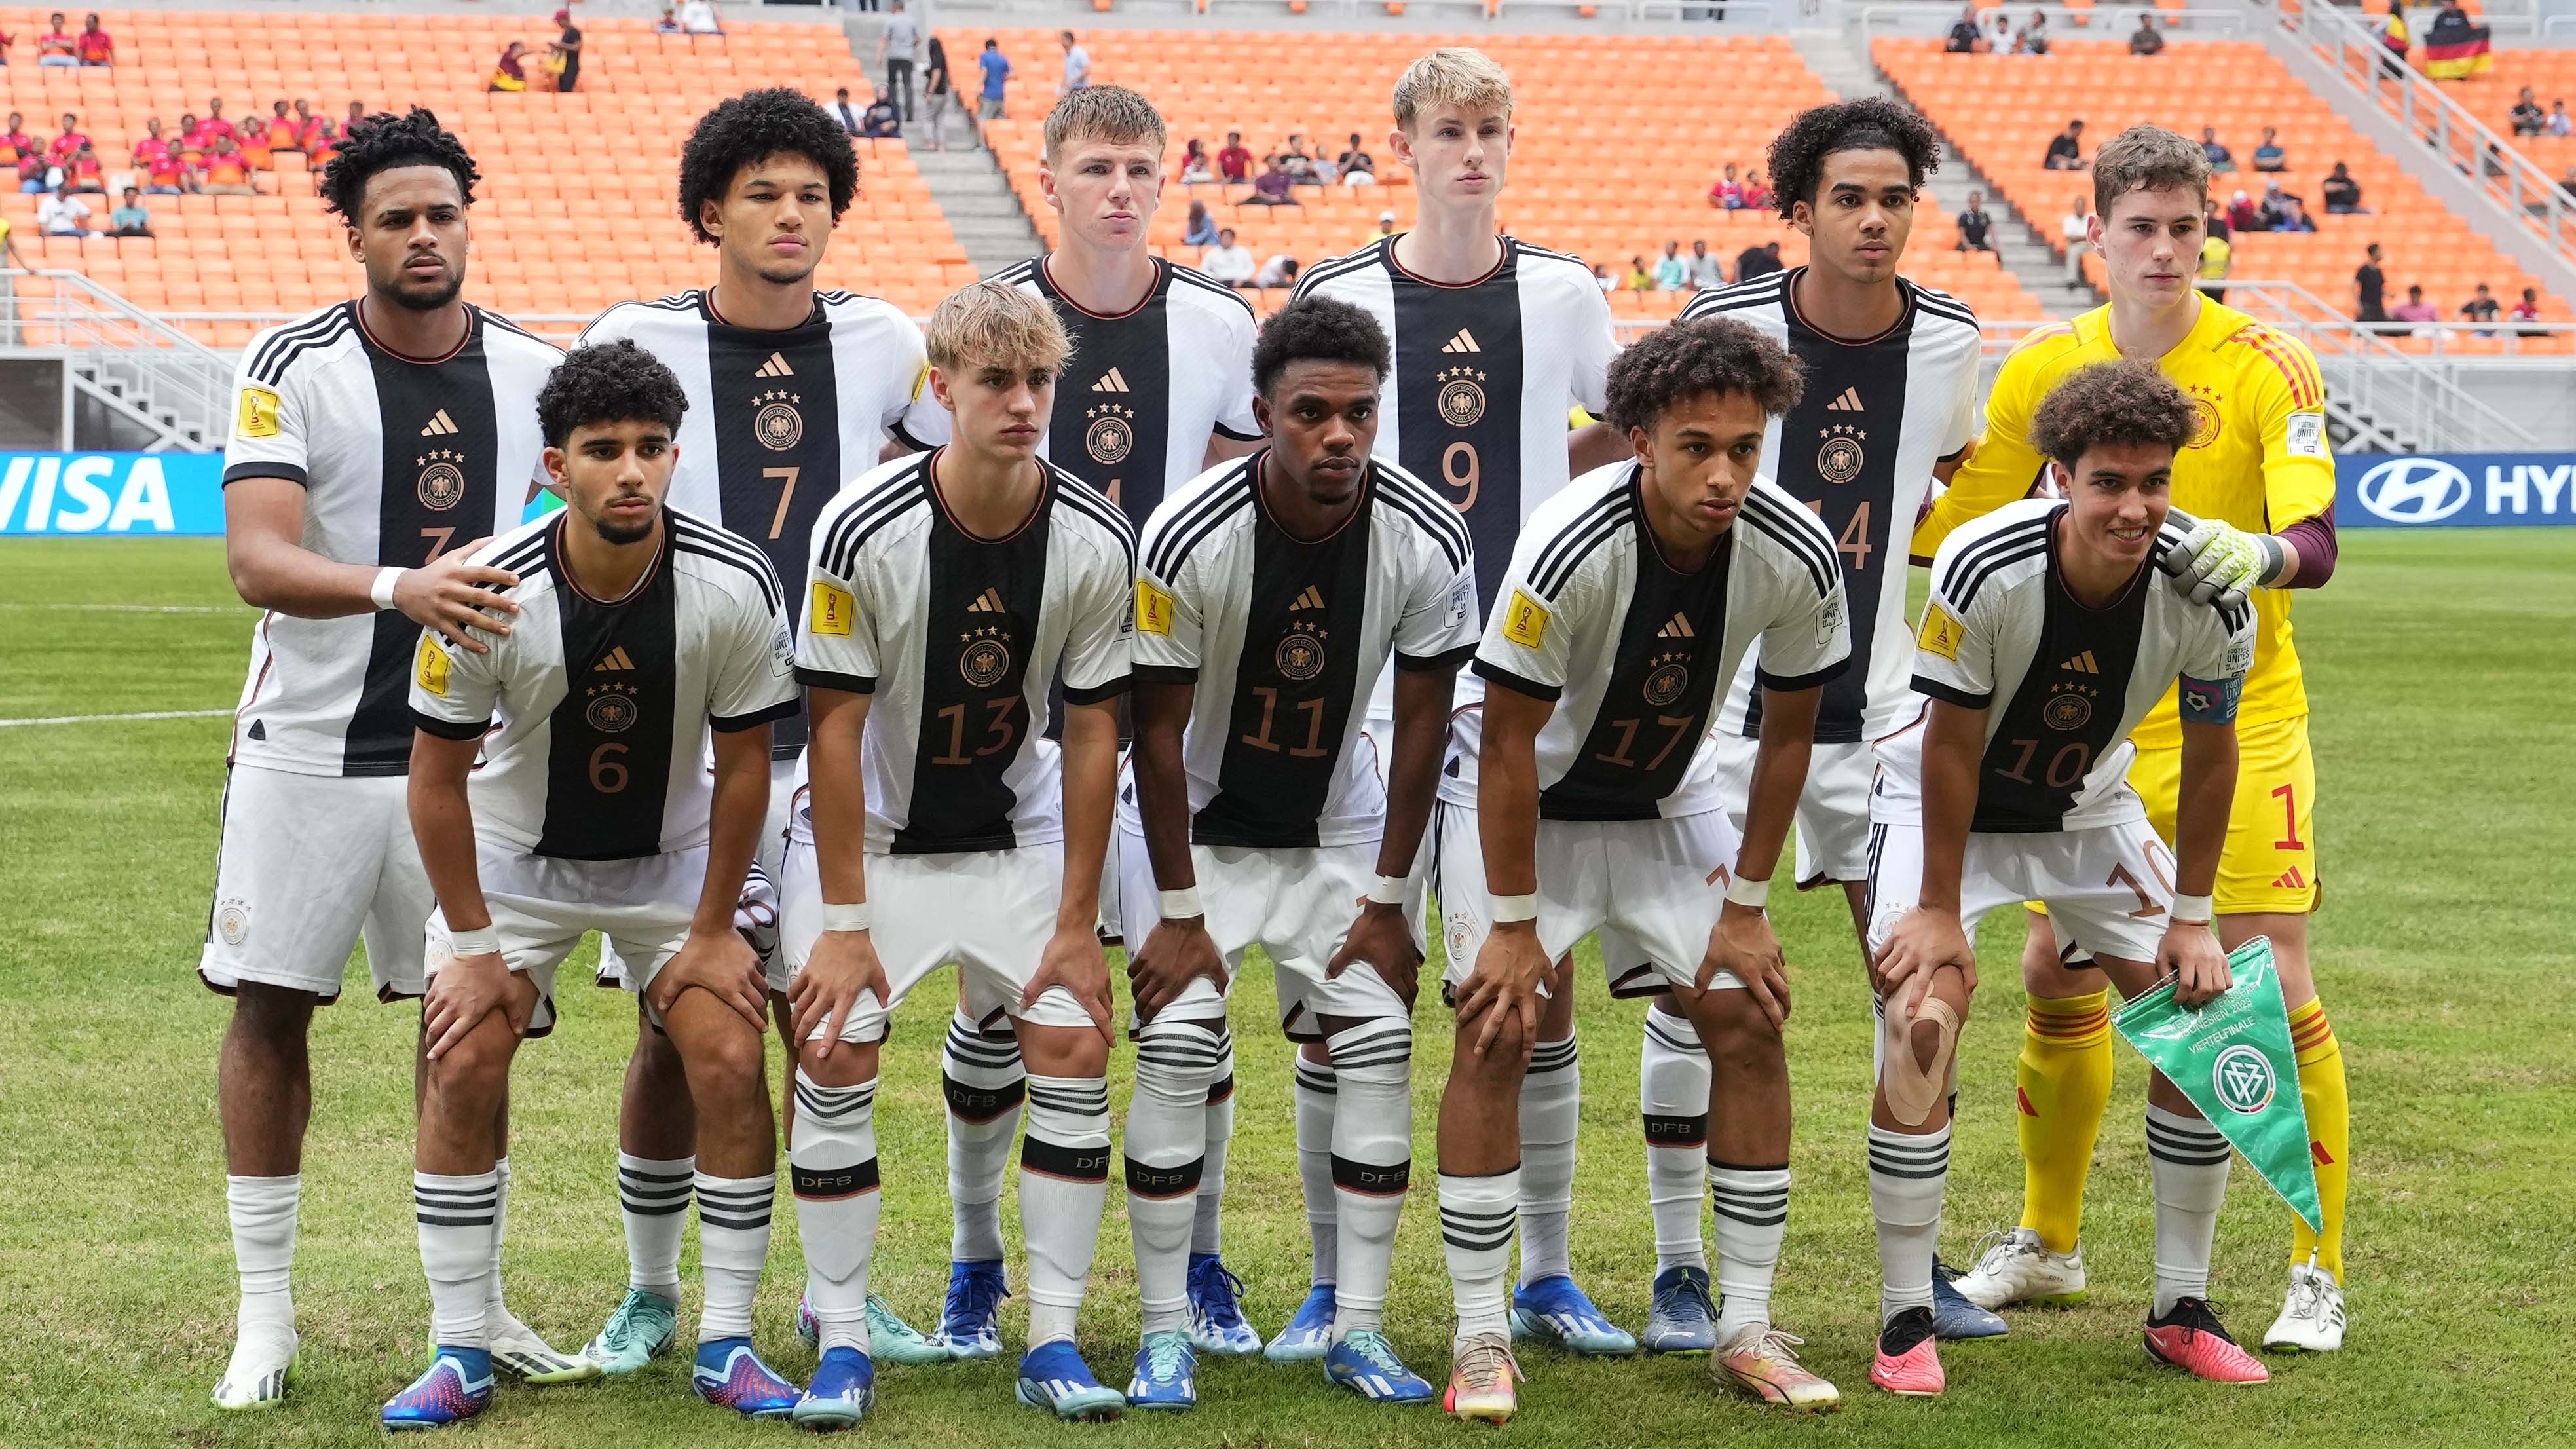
2002 112
2551 74
576 208
1619 140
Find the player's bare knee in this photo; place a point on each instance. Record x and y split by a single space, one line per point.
849 1064
1734 1029
471 1078
1064 1051
723 1062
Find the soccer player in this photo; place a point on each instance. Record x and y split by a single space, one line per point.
1492 338
1159 387
1271 593
642 630
373 442
2259 478
792 392
1890 405
2046 640
945 593
1631 599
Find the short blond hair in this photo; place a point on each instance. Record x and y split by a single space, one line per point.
1106 113
1451 76
994 324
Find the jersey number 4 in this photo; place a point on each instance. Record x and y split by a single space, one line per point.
1854 545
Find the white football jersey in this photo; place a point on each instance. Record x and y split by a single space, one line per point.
401 459
1858 450
1632 652
1284 638
1146 389
2061 683
598 710
957 638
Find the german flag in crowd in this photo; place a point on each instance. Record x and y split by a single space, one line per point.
2454 48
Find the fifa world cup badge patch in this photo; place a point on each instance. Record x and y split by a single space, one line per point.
258 413
1525 621
433 667
1153 610
1941 633
833 610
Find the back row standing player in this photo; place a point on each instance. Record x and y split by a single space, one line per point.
1493 339
374 442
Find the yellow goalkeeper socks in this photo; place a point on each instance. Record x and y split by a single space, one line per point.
2329 1106
2065 1088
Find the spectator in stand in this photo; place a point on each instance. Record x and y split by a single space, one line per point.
227 173
1600 274
32 171
2559 123
1999 36
938 94
1271 188
1234 163
2220 158
1358 168
2414 308
1759 261
2213 222
284 133
6 40
1976 226
1385 229
2527 116
1229 261
72 139
2147 40
215 125
62 214
57 46
2342 193
97 47
2481 308
883 120
165 170
1964 34
1757 195
2032 38
2269 156
2242 214
851 119
130 219
510 72
1672 274
1201 231
898 47
2217 254
1294 160
1279 271
326 145
2396 39
2283 211
357 118
1195 165
84 172
2370 289
1707 273
1639 279
997 70
2075 230
254 142
2567 184
16 145
669 24
2066 149
563 57
2527 310
1728 193
1077 66
308 126
698 17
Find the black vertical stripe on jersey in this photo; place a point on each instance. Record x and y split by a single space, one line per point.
421 510
1477 466
1611 778
1272 795
1873 373
746 491
2016 786
967 806
1112 425
628 651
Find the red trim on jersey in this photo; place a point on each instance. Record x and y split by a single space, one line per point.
473 326
563 562
1046 496
2305 394
1046 275
1492 272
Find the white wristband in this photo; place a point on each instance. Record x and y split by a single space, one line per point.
1182 904
1390 890
1751 894
2190 911
847 917
382 590
1511 909
483 942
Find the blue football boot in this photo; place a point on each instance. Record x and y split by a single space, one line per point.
1552 1310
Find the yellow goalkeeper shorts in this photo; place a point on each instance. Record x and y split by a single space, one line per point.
2270 863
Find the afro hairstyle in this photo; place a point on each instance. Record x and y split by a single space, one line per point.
2127 403
1872 123
1703 356
749 129
384 142
612 382
1317 329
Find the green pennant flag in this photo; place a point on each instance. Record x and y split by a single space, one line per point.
2232 1057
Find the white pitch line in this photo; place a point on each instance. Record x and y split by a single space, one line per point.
139 608
60 719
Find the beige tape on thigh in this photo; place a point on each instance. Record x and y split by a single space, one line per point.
1913 1088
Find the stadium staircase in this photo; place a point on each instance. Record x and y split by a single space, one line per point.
157 387
969 187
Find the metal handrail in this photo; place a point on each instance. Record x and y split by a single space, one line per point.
117 346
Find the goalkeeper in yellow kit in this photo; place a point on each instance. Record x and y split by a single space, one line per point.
2259 477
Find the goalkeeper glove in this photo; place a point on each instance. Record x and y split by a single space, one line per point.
2218 563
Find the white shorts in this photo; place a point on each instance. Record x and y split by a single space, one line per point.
1297 904
759 907
310 864
2107 887
542 906
990 911
1833 810
1659 883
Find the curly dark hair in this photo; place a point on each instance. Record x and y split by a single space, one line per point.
749 129
1869 124
1704 355
1317 329
612 382
2122 403
384 142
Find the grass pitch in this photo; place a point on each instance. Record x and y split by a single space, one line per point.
2439 665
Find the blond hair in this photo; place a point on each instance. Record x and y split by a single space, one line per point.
1451 76
2147 158
1104 113
994 324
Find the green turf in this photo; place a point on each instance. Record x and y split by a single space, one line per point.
2439 664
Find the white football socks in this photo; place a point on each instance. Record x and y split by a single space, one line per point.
653 1198
1906 1179
1176 1062
1672 1094
455 1215
1476 1216
2189 1160
733 1243
832 1169
494 1315
1752 1217
1551 1115
1064 1187
263 1216
1206 1226
1317 1089
1372 1164
985 1082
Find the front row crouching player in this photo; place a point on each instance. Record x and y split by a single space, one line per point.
1270 594
640 630
2047 638
1631 598
945 592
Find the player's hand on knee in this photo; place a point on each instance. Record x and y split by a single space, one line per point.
720 963
1383 940
1505 985
2191 955
1073 960
452 594
1175 953
1743 944
842 967
1923 942
465 991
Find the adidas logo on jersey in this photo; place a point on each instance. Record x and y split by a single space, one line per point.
2291 880
2082 664
1465 341
614 660
1677 627
439 425
1110 381
1313 598
1849 402
776 366
988 602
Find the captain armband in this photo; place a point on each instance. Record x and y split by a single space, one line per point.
2211 701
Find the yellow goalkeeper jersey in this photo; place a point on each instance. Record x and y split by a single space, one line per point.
2260 461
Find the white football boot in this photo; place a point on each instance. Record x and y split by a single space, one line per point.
2018 1268
2312 1319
